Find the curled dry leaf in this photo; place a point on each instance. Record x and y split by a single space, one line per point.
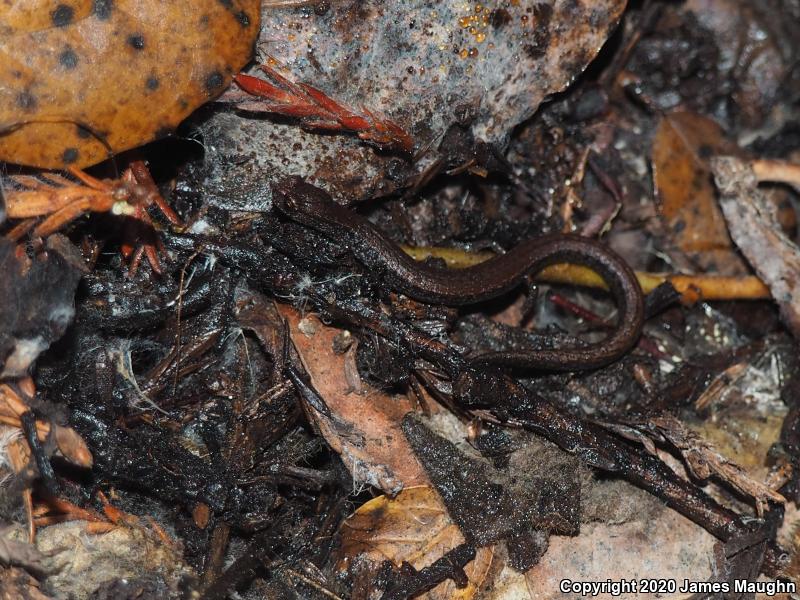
413 527
82 79
754 227
366 429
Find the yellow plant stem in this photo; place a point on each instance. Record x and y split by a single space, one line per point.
691 287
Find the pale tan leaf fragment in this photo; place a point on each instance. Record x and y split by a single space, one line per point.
415 528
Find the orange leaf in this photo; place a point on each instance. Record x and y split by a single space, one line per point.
682 147
82 79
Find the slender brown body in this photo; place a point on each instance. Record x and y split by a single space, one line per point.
457 287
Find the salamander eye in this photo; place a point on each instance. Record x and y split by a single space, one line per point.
292 203
296 202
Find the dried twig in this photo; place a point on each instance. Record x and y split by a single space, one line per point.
777 170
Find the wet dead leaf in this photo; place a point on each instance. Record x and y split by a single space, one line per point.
84 78
683 144
413 527
760 64
367 431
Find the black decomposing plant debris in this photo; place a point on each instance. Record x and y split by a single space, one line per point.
451 565
489 505
37 297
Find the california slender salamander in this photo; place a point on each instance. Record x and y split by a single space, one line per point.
313 207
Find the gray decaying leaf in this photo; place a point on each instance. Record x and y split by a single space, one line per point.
773 33
425 64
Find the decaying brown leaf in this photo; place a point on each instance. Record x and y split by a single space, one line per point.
682 146
17 584
413 527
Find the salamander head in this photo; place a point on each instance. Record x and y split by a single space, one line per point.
297 199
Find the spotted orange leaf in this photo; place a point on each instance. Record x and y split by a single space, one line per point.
83 79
